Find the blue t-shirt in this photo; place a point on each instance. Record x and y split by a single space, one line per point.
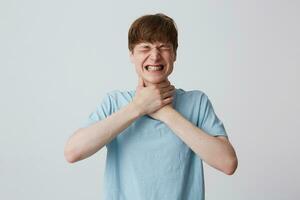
147 161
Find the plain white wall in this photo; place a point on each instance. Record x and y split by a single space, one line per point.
58 58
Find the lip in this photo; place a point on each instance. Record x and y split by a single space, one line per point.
146 66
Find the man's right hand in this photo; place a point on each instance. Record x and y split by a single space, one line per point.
149 99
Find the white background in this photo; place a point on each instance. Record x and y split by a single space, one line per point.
58 58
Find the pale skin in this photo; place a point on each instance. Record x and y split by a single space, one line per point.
154 96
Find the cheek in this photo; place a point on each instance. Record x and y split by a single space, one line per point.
138 69
138 62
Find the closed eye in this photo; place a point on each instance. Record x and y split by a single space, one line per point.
165 47
144 48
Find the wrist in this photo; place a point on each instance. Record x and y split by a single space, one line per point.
167 116
136 109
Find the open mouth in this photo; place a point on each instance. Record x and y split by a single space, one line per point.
154 67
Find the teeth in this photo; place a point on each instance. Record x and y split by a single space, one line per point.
154 68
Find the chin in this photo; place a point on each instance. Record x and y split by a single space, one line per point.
155 80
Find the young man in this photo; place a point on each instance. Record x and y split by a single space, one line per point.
156 136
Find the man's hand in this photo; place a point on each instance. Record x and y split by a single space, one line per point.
152 98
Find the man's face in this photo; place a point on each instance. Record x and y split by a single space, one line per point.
153 61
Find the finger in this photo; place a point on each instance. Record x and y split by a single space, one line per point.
168 94
168 100
164 84
167 89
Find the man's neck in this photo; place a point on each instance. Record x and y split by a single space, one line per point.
150 84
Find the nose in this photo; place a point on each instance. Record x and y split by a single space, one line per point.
154 54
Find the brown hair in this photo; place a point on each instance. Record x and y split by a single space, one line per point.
153 28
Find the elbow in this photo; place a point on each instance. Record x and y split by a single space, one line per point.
70 155
231 166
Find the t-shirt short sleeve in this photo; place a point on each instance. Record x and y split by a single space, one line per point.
103 110
210 122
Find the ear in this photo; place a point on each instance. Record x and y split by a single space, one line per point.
174 52
174 56
131 56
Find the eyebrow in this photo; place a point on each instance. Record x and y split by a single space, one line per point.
149 44
165 44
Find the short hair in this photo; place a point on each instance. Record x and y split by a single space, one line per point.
153 28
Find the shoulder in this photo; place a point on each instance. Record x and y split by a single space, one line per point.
191 94
119 94
119 98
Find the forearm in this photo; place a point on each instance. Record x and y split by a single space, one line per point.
87 141
214 151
